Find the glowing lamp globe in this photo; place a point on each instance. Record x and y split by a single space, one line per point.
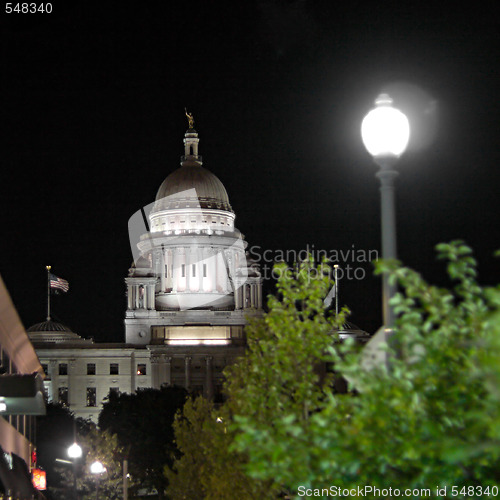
74 451
97 468
385 130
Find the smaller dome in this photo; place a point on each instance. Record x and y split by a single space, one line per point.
351 330
53 332
49 326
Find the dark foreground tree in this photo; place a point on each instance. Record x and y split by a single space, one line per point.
143 424
57 430
55 433
207 469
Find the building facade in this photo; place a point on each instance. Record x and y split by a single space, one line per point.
190 291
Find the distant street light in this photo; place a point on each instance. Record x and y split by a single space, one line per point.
74 452
97 468
385 132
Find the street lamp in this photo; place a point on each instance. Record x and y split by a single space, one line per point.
97 468
385 132
74 452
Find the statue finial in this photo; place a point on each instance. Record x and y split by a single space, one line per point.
190 118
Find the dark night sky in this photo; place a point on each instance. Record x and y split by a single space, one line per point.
92 118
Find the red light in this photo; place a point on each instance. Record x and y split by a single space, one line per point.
39 479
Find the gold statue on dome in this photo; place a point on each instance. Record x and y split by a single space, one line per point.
190 118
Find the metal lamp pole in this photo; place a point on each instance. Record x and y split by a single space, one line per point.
97 469
386 131
75 452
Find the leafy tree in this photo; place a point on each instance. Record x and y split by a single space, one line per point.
143 424
275 388
429 418
207 469
96 446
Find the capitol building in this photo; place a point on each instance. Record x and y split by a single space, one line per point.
190 292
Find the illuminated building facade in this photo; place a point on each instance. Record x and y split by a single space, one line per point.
190 291
191 287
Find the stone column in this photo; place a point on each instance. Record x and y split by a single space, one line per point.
175 271
166 374
163 284
151 290
72 394
259 296
54 376
237 293
200 258
187 253
155 371
130 295
187 372
209 380
212 269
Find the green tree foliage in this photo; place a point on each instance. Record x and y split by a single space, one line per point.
143 424
103 447
207 469
281 374
428 418
281 381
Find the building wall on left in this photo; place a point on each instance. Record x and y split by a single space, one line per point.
17 358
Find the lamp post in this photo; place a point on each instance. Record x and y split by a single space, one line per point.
74 452
385 132
97 468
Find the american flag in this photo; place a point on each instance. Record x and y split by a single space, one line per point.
58 283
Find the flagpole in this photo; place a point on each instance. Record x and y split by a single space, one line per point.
335 267
48 292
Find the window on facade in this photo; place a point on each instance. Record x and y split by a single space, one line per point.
141 369
45 369
114 390
90 368
204 270
63 396
194 270
113 369
63 368
91 396
183 270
